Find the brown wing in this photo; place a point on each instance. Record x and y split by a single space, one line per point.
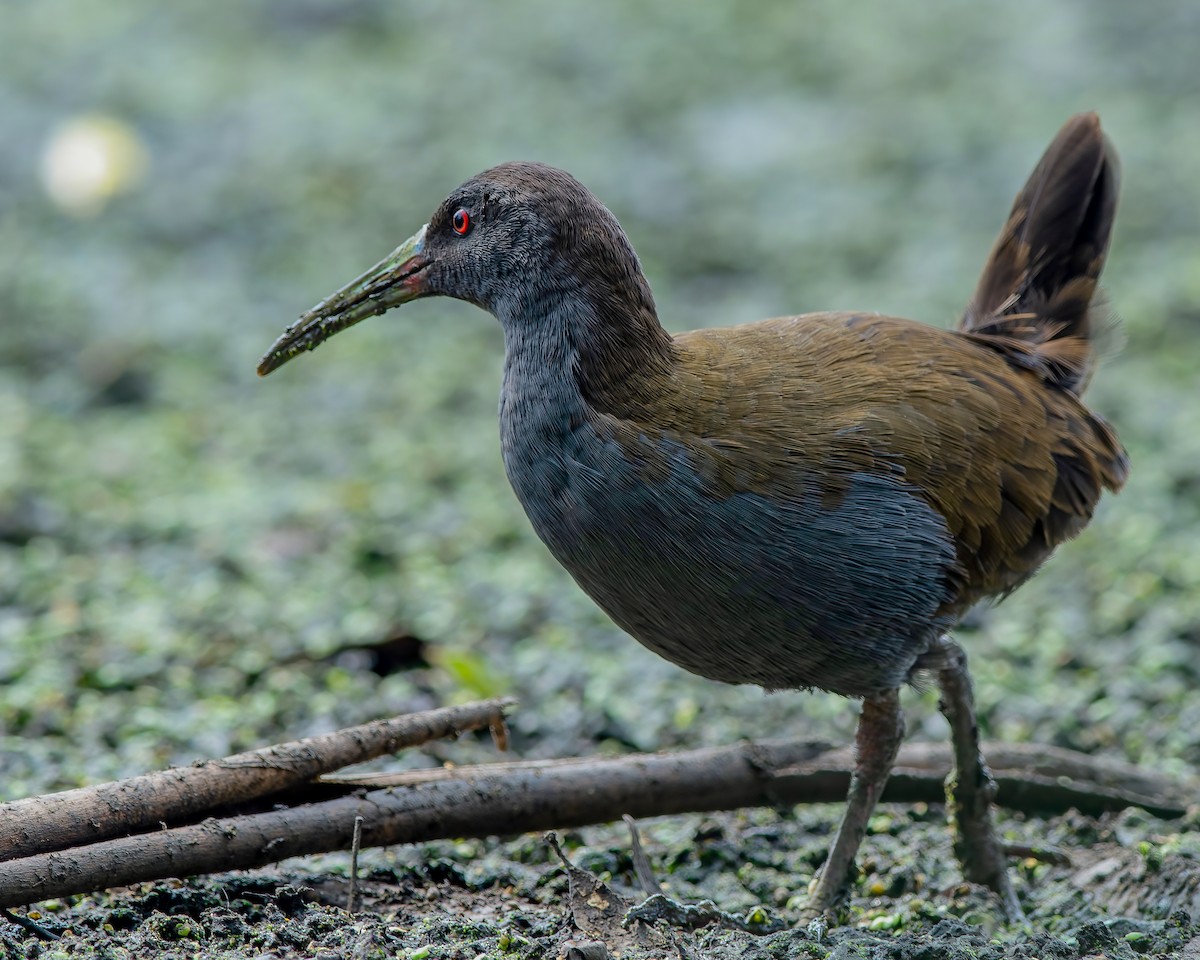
1014 466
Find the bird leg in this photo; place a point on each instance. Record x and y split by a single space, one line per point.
970 788
880 730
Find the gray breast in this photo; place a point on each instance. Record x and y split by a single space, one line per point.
742 589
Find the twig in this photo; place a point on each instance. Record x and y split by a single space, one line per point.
513 798
31 925
1029 777
475 801
641 863
355 847
62 820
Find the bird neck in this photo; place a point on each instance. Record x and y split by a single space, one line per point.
588 345
570 364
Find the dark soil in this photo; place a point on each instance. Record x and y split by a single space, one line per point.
1130 890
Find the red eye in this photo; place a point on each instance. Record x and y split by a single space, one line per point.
461 222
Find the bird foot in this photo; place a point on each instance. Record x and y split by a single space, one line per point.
877 741
815 918
815 923
970 790
983 857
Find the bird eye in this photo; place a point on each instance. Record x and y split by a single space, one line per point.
461 222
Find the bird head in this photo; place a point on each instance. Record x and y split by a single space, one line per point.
509 240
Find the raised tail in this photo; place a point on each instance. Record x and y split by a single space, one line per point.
1035 297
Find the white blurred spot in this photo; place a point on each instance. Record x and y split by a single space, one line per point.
89 160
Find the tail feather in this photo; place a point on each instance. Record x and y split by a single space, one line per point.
1036 297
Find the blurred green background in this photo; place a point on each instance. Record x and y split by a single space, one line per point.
194 561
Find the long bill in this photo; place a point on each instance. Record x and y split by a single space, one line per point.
396 279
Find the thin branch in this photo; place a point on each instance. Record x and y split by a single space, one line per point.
355 847
32 926
60 821
512 798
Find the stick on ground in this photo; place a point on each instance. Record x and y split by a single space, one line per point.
355 847
59 821
509 798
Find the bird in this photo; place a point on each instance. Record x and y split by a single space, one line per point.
808 502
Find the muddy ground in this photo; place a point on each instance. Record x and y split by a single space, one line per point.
1130 889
